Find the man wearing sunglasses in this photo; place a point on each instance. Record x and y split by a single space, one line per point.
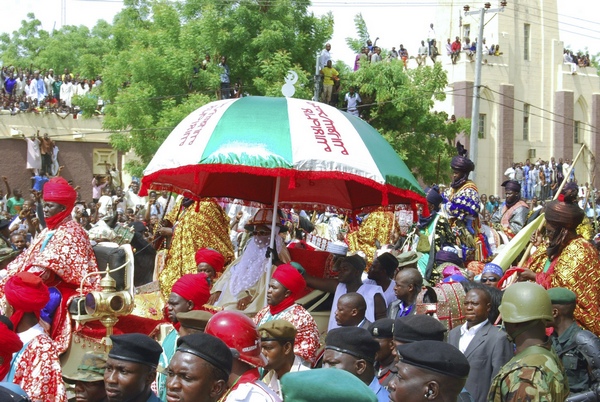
491 275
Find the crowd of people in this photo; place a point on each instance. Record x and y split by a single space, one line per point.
42 91
575 60
25 90
235 329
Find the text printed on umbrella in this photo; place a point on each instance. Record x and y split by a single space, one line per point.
196 127
320 122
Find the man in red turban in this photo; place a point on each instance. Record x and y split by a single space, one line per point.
190 292
285 287
35 368
209 261
61 255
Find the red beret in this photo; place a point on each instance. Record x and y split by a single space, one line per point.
211 257
289 277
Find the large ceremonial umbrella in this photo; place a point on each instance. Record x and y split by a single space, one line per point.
281 151
316 154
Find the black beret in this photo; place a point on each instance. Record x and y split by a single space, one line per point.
354 341
437 356
418 327
138 348
383 328
209 348
4 223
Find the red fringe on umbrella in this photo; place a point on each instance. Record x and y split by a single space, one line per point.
161 181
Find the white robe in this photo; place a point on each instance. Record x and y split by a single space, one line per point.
34 157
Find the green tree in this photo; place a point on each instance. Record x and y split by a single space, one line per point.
400 105
21 48
153 73
357 44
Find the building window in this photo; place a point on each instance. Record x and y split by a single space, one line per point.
482 120
576 132
525 122
467 31
526 39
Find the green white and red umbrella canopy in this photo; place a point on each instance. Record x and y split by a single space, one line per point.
312 153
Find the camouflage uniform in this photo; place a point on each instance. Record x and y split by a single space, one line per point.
535 374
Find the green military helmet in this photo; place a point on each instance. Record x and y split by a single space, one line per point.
525 301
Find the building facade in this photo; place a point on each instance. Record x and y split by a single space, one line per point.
532 106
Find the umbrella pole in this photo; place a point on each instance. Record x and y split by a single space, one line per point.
273 233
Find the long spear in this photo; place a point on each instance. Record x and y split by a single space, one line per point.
517 243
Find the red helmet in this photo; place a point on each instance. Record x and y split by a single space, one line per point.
239 334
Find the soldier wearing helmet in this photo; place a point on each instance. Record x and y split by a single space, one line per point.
241 336
535 373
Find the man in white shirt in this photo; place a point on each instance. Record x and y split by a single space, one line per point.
485 346
325 56
422 54
352 99
510 172
132 198
105 203
430 37
277 345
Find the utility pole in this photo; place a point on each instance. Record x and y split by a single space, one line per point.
474 137
317 79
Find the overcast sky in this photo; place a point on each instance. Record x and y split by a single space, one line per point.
394 21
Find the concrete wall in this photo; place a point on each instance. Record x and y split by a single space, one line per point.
77 159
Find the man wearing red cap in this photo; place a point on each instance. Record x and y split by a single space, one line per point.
35 368
190 292
210 261
61 255
285 287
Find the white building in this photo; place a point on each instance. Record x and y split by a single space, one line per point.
531 105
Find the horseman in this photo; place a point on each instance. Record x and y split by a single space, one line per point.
463 206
